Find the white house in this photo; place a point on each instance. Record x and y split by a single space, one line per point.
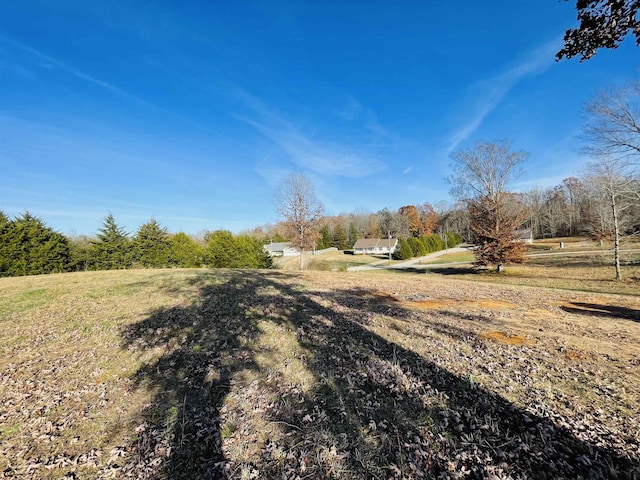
525 235
281 249
375 246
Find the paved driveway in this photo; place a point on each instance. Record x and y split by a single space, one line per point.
412 263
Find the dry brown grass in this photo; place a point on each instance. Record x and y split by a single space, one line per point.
238 374
451 258
329 261
589 273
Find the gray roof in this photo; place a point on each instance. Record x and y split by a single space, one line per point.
278 246
375 242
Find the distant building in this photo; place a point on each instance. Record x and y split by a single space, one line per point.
525 235
375 246
281 249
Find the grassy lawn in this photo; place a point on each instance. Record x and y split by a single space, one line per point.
588 273
450 258
330 261
245 374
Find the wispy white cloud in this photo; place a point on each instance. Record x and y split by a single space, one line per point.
303 149
491 92
407 170
50 63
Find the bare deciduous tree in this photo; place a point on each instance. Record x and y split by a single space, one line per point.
613 123
612 133
481 175
616 189
296 201
485 170
393 224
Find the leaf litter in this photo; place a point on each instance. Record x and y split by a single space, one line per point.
319 375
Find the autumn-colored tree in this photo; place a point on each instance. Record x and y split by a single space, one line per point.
481 177
428 219
494 223
413 219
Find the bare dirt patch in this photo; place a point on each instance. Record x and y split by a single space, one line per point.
507 339
444 303
575 354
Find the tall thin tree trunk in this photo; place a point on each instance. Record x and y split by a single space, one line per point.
616 237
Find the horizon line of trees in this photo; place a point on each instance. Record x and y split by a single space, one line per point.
29 247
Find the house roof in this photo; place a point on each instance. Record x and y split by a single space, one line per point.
278 246
375 242
524 234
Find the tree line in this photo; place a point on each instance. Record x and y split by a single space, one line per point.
418 246
29 247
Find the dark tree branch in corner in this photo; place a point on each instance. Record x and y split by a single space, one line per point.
603 24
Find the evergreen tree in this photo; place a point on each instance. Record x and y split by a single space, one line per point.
251 254
5 253
29 247
340 240
403 252
325 238
151 245
220 249
417 247
81 253
433 243
453 239
223 250
353 235
112 247
184 251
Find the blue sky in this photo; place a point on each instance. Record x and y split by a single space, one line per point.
192 112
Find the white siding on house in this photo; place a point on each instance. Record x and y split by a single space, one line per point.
374 246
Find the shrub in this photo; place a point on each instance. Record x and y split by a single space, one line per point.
403 252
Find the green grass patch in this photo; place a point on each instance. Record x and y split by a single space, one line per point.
451 258
22 301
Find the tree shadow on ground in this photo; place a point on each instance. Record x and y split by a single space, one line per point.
454 270
599 310
202 347
372 409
